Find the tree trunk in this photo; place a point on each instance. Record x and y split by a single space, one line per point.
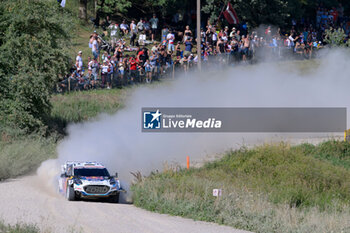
83 9
98 12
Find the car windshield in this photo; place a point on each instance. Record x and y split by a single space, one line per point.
91 172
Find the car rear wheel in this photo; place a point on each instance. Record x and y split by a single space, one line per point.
70 194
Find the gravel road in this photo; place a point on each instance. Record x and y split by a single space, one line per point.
31 200
27 200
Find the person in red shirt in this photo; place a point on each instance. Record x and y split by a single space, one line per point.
133 68
335 15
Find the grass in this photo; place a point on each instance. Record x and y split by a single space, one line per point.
18 228
335 152
81 106
272 188
20 155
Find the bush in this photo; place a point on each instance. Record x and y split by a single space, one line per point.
33 46
271 188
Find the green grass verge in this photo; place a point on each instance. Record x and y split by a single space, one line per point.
272 188
335 152
23 155
81 106
18 228
20 155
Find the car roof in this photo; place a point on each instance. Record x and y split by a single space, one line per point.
76 164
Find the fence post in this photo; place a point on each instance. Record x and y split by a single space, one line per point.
173 70
345 135
188 162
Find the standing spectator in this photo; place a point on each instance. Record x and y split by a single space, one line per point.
340 10
94 68
238 36
165 32
153 61
95 49
187 33
203 36
335 14
140 25
188 46
110 72
133 68
148 71
133 31
170 38
92 37
154 26
114 31
104 73
121 70
246 44
208 34
91 79
233 33
142 38
214 37
178 49
124 28
220 46
79 61
147 27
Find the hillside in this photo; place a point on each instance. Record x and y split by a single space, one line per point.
271 188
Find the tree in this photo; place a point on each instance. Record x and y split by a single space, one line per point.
33 48
83 9
104 7
274 12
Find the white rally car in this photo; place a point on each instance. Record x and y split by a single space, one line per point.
88 180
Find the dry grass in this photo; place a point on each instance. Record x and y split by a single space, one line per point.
265 189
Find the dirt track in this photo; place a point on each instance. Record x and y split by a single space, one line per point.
26 200
30 200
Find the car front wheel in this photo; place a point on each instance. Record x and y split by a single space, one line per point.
70 194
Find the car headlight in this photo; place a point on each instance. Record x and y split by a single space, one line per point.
112 181
78 181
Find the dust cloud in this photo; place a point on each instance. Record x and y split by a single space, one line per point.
117 141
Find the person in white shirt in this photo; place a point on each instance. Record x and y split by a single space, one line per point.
214 37
79 61
292 39
142 38
170 38
95 49
124 28
140 25
114 33
133 30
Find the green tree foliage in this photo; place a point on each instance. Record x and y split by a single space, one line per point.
104 7
34 38
336 38
275 12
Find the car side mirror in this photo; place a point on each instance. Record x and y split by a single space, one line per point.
116 175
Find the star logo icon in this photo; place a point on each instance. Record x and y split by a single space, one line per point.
152 119
156 115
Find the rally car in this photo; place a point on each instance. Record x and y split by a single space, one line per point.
88 180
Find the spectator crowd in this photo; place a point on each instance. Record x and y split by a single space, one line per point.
141 52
